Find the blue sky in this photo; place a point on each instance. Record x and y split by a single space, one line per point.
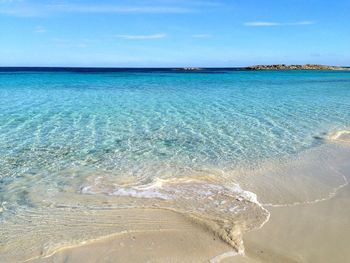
173 33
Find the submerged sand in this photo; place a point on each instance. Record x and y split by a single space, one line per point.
308 200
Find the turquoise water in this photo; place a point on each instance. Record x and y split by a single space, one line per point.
154 125
76 146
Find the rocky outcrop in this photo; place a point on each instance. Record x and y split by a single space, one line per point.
189 69
295 67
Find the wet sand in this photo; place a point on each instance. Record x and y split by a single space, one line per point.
303 232
318 232
174 238
312 232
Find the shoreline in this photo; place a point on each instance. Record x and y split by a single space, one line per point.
310 233
187 242
281 239
87 69
192 240
295 67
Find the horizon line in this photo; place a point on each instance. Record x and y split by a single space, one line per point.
168 67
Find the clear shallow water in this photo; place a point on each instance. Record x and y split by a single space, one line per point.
147 125
77 131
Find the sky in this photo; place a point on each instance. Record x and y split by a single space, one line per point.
173 33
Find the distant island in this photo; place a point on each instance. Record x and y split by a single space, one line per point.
278 67
189 69
295 67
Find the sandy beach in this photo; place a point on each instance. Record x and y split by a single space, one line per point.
317 232
164 131
312 232
174 239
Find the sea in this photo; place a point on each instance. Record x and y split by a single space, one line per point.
76 143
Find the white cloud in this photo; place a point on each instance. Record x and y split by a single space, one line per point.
118 9
201 36
40 29
300 23
9 1
263 23
260 24
16 8
142 37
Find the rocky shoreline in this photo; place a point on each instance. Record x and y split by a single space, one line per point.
189 69
295 67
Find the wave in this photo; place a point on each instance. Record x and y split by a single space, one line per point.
226 210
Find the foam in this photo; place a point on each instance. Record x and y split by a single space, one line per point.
139 193
173 188
227 210
217 203
223 256
220 204
341 136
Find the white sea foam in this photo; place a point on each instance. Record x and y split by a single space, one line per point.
139 193
175 188
342 136
227 210
223 256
